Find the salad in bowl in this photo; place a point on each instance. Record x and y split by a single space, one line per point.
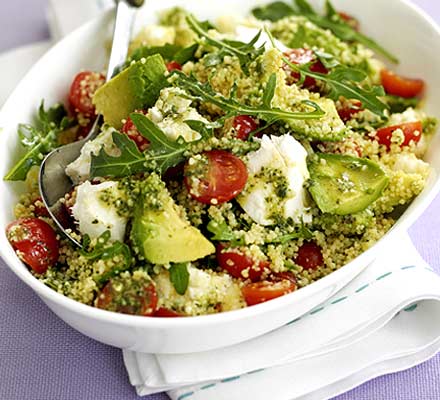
240 160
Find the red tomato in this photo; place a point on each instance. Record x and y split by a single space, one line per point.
132 132
235 262
304 56
35 243
218 178
128 297
400 86
309 256
259 292
350 109
83 88
244 125
412 132
173 65
166 313
350 20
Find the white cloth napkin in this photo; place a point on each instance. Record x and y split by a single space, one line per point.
387 319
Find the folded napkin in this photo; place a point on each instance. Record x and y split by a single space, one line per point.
387 319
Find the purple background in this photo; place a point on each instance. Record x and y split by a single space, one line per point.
43 358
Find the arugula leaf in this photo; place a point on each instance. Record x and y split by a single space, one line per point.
223 233
332 21
270 91
343 81
169 52
129 162
40 139
273 11
245 52
205 92
399 104
147 78
179 277
105 251
162 153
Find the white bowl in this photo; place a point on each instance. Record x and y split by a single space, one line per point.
397 24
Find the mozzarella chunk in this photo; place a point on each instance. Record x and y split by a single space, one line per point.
171 111
409 115
281 160
96 212
206 291
79 170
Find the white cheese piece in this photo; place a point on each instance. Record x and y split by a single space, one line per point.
79 170
171 111
94 215
410 164
409 115
245 34
288 156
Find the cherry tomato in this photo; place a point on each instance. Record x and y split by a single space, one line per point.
412 132
302 56
244 125
235 263
350 20
349 109
83 88
132 132
128 297
35 243
259 292
173 65
166 313
400 86
217 178
309 256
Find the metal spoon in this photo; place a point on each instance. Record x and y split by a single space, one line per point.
53 181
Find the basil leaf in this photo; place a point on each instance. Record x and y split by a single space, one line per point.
179 277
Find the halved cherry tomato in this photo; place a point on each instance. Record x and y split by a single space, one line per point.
310 256
302 56
35 243
349 109
217 178
128 297
259 292
83 88
173 65
412 132
244 125
400 86
163 312
350 20
132 132
235 263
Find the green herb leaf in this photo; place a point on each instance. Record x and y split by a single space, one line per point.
270 91
162 152
179 277
129 162
223 233
343 81
103 250
332 21
245 52
205 93
186 54
399 104
40 139
169 52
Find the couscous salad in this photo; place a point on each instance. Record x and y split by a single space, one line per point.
239 160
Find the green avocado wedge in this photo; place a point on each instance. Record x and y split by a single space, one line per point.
342 185
160 234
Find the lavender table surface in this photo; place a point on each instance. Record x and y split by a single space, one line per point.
43 358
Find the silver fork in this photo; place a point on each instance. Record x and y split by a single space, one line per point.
53 182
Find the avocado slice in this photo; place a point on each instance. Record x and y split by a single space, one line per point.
342 184
136 87
160 234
